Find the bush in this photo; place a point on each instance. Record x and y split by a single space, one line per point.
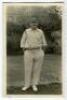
19 19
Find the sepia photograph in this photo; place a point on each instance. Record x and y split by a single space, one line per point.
33 48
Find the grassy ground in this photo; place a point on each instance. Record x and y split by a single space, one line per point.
49 89
50 80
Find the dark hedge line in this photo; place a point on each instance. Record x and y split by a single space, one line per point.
49 20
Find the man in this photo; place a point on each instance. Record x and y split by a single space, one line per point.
32 42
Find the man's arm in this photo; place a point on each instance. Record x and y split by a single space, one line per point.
23 40
44 42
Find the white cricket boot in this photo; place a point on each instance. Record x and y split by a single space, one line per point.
34 87
25 88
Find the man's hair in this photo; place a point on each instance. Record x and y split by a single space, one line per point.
34 20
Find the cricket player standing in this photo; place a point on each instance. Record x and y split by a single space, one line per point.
32 42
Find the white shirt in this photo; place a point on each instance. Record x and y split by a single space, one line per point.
33 38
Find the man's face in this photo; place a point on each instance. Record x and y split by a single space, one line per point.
33 25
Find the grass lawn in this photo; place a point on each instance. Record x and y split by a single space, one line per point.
50 80
49 89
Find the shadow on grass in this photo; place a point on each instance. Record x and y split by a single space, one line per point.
49 89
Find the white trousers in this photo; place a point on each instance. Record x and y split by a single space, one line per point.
33 60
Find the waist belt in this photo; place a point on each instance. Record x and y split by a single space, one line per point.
32 48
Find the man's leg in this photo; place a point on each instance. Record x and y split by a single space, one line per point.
28 61
37 69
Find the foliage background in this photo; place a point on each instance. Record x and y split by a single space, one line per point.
49 19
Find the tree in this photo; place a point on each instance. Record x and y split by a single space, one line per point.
18 19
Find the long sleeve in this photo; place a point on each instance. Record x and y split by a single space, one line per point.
23 40
44 42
